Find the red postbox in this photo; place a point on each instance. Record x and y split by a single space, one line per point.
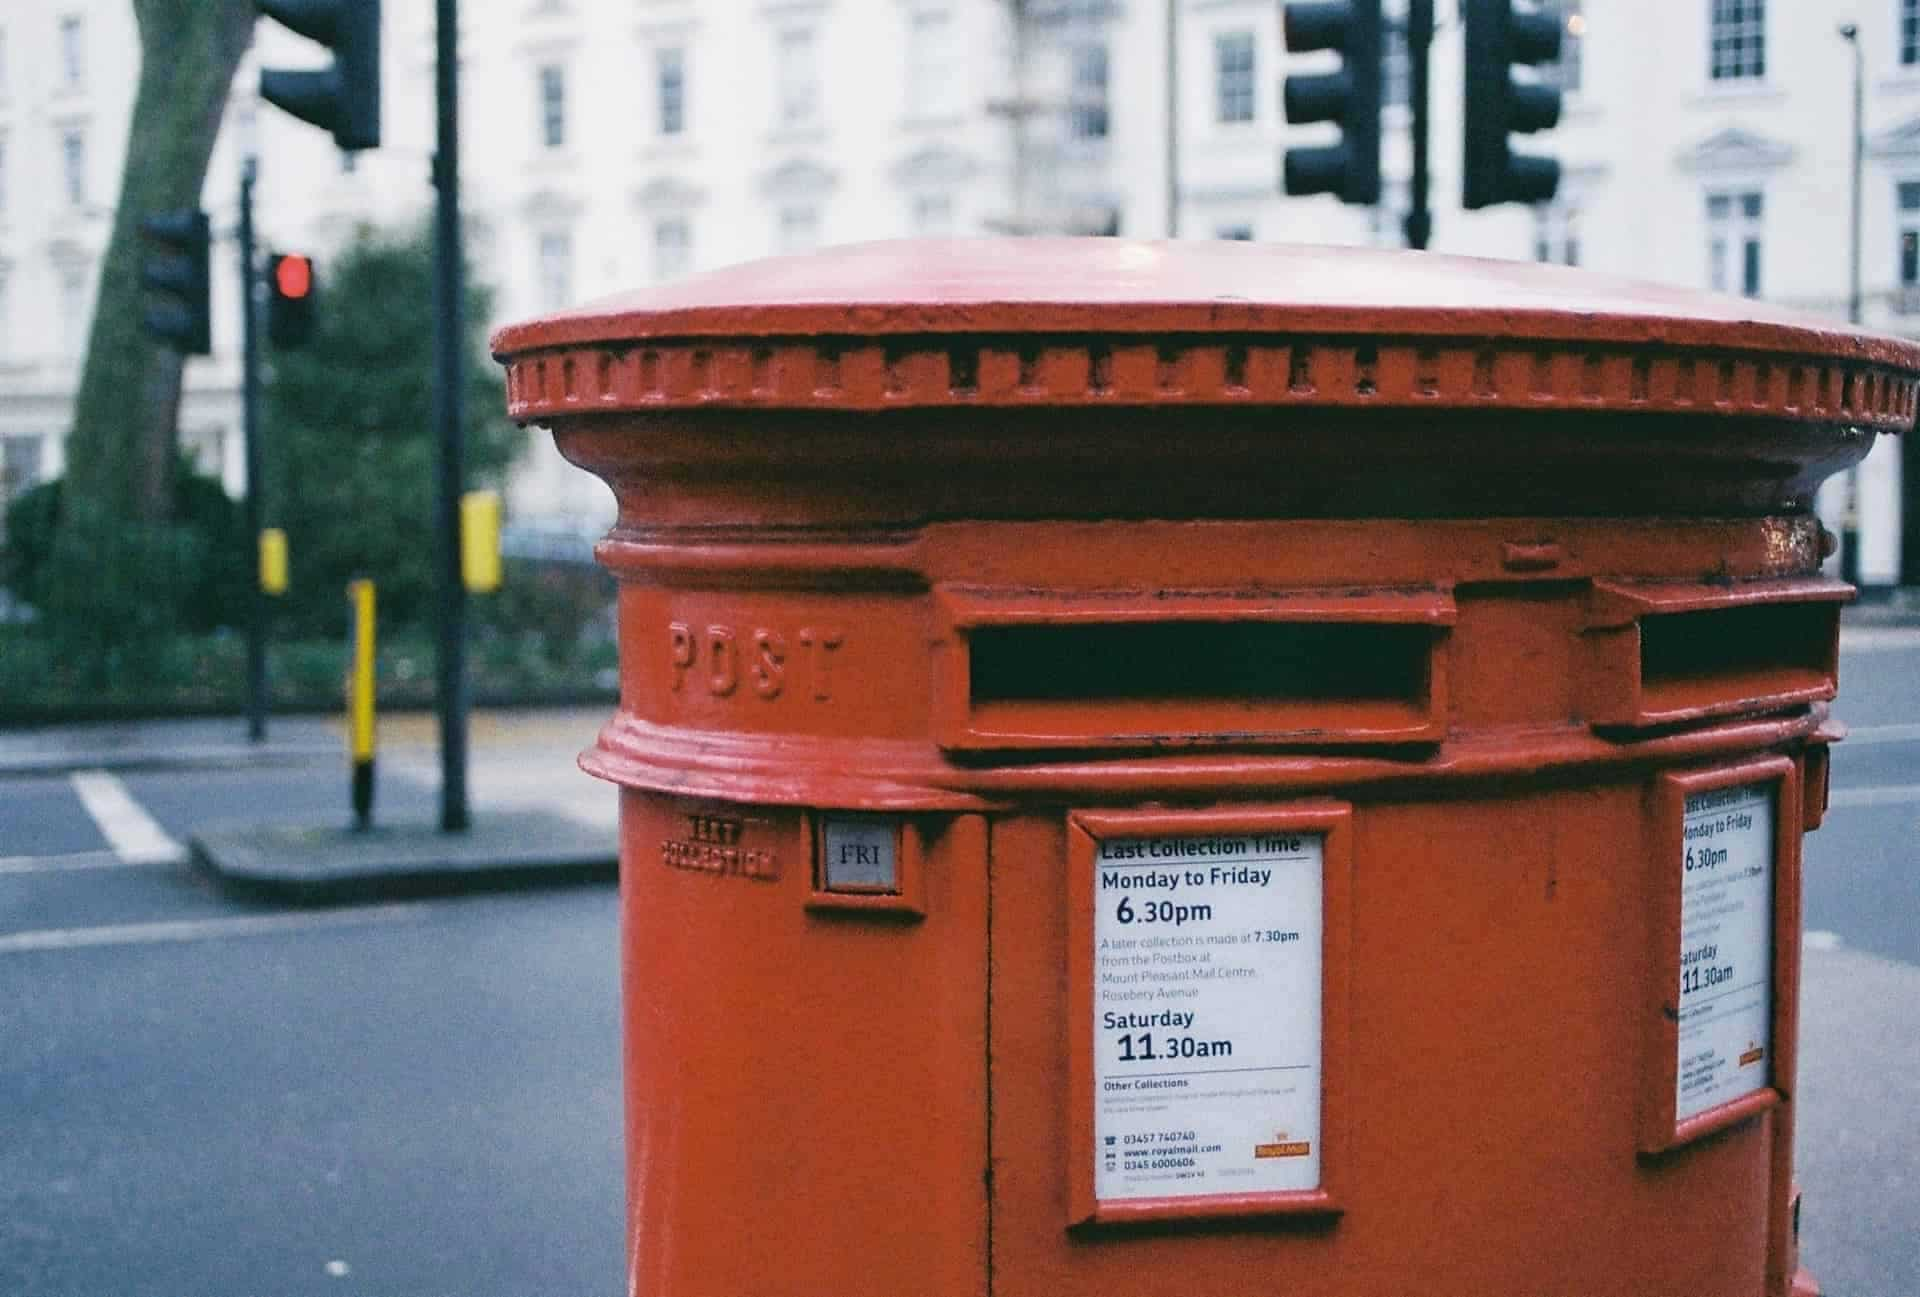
1202 768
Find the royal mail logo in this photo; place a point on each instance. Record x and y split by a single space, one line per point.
1753 1055
1288 1148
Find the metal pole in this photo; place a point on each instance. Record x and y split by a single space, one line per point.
1850 518
1173 119
449 355
250 445
1852 34
1419 44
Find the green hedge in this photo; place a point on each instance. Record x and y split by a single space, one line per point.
208 673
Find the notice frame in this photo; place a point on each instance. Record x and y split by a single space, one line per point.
1330 820
1661 1129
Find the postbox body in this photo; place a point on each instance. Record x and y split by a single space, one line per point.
1179 769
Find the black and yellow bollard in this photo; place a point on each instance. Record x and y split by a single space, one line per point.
480 541
360 696
273 561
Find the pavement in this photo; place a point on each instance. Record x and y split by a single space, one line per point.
535 819
1884 606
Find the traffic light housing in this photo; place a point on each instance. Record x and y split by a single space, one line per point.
1349 96
180 318
290 286
1497 105
343 98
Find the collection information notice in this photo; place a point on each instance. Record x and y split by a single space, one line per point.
1726 947
1206 1015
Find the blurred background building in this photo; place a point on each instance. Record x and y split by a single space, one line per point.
615 143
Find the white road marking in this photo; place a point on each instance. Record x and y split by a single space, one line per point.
128 829
70 860
174 930
1872 734
1885 795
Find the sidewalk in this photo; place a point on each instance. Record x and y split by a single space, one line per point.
159 744
536 817
1898 606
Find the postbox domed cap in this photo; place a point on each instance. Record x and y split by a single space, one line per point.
1101 322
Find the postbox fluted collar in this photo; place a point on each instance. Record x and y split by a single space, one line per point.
1471 332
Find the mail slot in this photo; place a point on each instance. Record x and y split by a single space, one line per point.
1155 768
1077 669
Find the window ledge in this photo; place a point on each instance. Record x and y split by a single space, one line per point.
933 121
808 135
669 148
1741 90
1097 149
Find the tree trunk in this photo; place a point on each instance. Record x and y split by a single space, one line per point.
118 568
120 449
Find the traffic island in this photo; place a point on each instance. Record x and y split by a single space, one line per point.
321 864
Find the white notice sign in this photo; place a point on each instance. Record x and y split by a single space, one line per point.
1726 947
1206 1015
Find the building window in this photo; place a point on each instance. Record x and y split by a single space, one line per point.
553 106
798 78
672 247
1909 32
932 214
556 269
1396 70
1235 233
930 64
1233 76
73 158
1556 233
1565 72
670 67
1733 242
1909 223
73 68
1738 36
1087 111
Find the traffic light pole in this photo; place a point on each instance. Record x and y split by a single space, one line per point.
449 358
250 443
1419 44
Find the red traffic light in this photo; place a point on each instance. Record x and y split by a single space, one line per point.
293 275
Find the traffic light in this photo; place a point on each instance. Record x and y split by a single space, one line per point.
180 319
1498 105
344 98
289 299
1349 96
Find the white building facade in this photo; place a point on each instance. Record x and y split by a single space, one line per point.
611 143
